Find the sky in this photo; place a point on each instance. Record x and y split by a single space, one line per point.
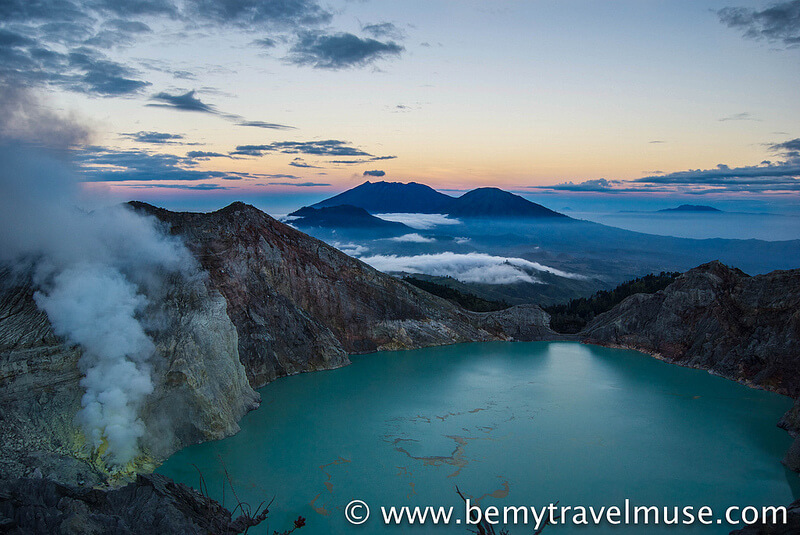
195 103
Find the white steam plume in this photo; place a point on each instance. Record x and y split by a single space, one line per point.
96 307
95 272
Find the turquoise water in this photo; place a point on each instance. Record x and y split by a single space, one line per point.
508 423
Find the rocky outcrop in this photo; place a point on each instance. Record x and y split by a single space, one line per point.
200 387
301 305
716 318
151 504
524 323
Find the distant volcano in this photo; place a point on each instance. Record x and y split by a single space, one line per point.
692 208
397 197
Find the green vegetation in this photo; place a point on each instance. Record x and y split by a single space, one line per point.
465 300
573 316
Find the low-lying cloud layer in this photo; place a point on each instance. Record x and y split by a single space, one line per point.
420 221
470 267
413 238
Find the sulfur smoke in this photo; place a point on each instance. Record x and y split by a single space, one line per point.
95 272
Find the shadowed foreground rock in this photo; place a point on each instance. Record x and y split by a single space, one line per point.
152 504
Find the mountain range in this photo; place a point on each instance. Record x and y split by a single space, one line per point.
343 216
692 208
396 197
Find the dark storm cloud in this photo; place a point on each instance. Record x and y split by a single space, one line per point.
375 172
328 147
160 138
339 51
778 22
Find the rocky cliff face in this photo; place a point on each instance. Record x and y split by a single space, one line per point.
719 319
274 302
200 387
716 318
301 305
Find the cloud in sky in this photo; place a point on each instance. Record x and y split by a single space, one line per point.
470 267
204 155
185 102
339 50
744 116
297 184
328 147
375 172
363 160
156 138
790 149
299 162
382 30
189 102
778 22
420 221
263 124
65 43
188 187
253 14
100 164
413 238
766 177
